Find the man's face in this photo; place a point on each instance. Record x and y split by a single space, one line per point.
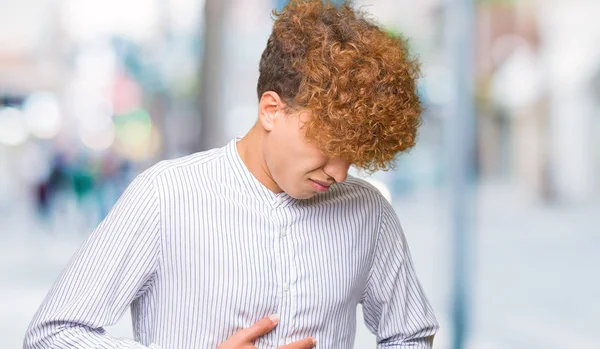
299 168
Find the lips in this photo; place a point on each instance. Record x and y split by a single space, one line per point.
325 184
319 186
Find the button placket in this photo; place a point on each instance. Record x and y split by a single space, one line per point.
280 272
284 273
285 284
292 279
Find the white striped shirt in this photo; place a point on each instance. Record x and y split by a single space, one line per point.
199 249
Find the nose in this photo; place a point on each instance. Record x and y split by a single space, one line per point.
337 169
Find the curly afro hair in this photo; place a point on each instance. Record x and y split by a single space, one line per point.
358 81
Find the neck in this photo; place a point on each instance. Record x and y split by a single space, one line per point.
250 149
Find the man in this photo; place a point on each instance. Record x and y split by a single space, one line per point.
266 242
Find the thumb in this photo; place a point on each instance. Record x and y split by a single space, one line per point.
261 328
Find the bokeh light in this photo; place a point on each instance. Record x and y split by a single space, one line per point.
134 134
98 139
13 130
42 114
88 19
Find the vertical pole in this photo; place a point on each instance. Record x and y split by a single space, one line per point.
461 138
212 77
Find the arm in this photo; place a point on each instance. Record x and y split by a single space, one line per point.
395 307
110 270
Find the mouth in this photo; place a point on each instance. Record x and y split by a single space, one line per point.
320 186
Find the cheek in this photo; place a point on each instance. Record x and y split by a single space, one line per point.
291 175
286 171
293 171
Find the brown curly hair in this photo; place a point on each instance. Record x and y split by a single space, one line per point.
357 80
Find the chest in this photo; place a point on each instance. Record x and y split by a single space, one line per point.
235 263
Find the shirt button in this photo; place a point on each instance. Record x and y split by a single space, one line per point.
283 233
281 342
286 287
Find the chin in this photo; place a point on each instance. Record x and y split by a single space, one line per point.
303 196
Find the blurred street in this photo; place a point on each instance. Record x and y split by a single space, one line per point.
534 272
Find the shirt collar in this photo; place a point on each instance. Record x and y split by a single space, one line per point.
249 183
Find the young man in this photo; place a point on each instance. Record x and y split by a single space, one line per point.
266 242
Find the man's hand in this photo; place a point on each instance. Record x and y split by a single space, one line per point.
244 339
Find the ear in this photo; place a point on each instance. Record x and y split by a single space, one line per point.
269 107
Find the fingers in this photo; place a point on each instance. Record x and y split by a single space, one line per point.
264 326
306 343
260 328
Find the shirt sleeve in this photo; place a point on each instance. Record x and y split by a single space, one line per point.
395 307
111 269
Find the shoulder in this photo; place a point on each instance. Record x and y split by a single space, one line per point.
358 191
174 168
358 187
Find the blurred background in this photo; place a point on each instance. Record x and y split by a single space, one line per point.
499 200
